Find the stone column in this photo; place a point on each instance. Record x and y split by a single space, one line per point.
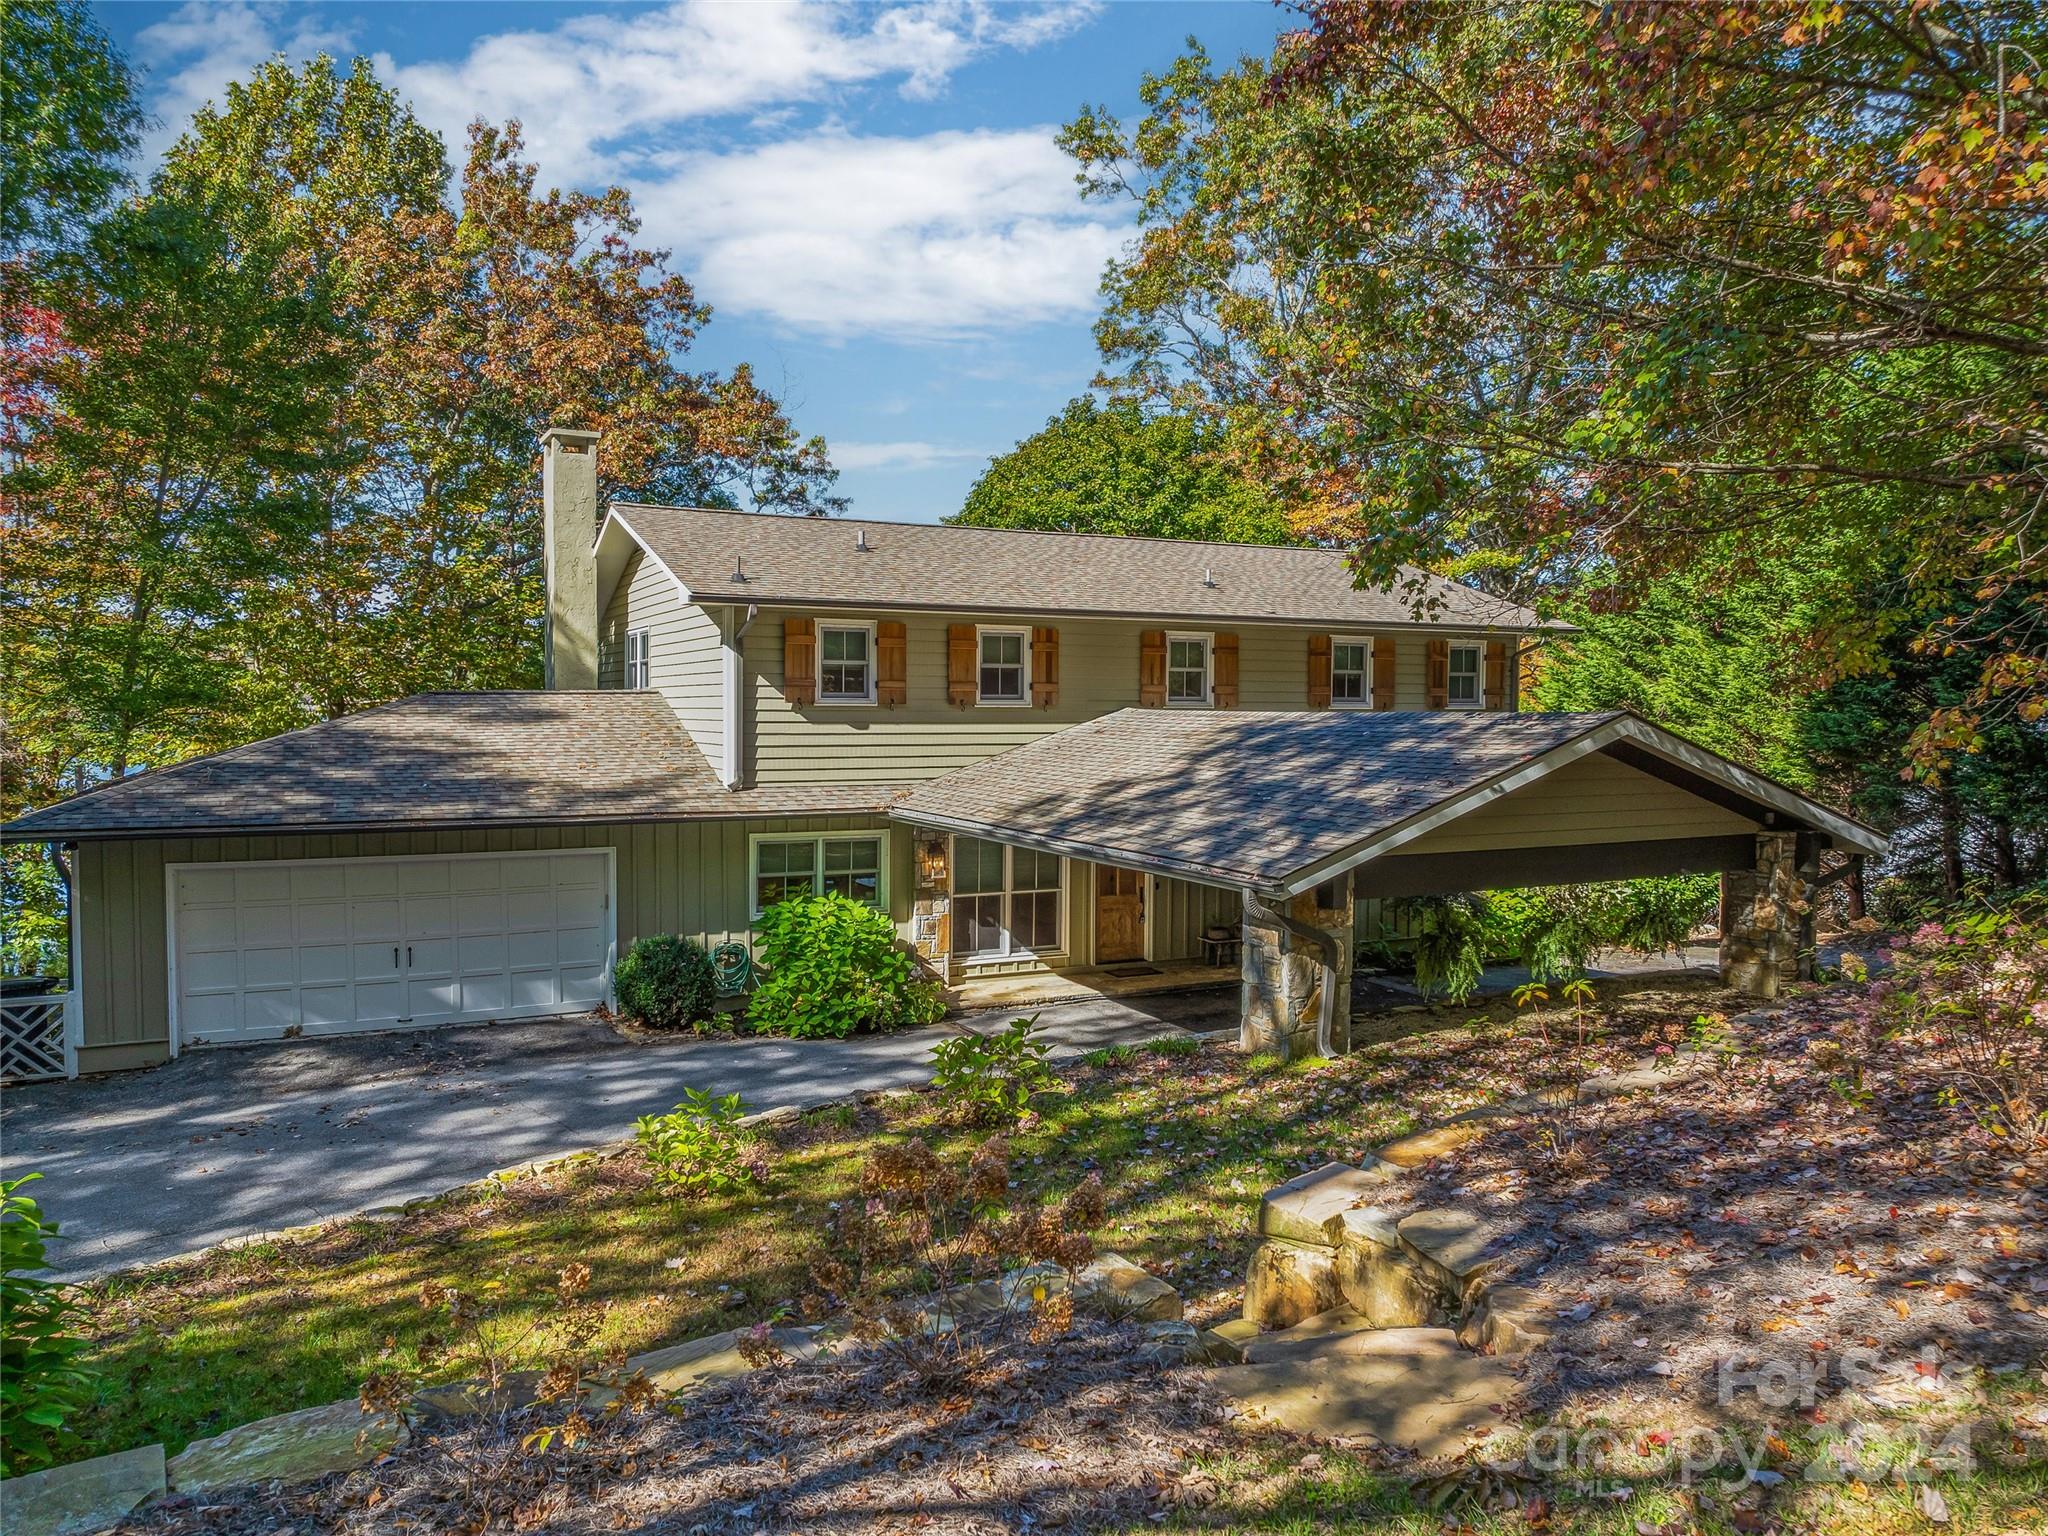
1763 917
1283 975
931 910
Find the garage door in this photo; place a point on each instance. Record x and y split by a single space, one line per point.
326 946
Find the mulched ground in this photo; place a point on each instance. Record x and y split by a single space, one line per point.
1786 1211
1066 1436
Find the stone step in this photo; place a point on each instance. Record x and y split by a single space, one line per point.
1310 1207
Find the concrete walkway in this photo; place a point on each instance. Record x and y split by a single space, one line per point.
225 1141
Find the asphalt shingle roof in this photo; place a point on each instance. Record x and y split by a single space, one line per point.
816 562
443 759
1236 797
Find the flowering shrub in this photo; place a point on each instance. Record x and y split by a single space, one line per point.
990 1079
1977 987
700 1148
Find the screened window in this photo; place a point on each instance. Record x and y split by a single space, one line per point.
846 663
636 658
1463 691
1006 901
802 866
1187 669
1002 666
1350 672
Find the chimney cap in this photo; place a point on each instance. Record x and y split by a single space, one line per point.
573 438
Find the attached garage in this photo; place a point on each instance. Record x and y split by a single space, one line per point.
326 946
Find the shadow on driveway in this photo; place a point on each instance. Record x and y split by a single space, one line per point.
138 1166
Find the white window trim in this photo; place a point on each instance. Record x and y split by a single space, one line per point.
874 661
1478 699
1208 643
1023 700
817 840
1009 955
626 661
1364 701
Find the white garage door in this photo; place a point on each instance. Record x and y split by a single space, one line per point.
325 946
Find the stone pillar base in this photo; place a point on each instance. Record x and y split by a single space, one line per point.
1283 977
1763 919
931 909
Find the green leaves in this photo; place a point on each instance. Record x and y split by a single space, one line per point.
991 1079
40 1387
831 967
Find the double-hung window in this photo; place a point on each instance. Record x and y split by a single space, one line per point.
1006 901
846 663
1462 689
1351 672
1005 656
849 864
1187 671
636 658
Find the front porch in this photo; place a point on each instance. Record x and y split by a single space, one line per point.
974 992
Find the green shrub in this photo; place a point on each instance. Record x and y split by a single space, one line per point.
665 982
700 1148
989 1079
1448 945
39 1384
830 966
1174 1045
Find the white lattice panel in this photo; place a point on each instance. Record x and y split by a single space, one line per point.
31 1038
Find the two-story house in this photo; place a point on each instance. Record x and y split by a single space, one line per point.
1038 752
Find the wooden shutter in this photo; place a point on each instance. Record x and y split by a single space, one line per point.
1045 666
800 661
1382 671
892 664
1223 657
1152 669
1318 671
961 664
1496 674
1437 677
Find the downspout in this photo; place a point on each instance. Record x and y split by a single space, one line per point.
1327 958
735 703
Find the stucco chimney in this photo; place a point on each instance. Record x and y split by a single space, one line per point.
568 480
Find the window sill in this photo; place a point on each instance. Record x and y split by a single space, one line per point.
1002 703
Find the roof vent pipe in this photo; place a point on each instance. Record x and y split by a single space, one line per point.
739 572
1208 577
860 540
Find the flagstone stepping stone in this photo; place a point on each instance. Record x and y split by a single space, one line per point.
1309 1208
287 1448
699 1362
1289 1282
1225 1343
1382 1281
1112 1287
1305 1338
84 1497
1509 1321
1411 1387
1424 1146
1451 1242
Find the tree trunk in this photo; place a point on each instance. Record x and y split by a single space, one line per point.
2005 854
1855 895
1953 875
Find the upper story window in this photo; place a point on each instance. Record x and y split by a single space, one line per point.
636 658
1351 672
1463 690
1004 654
846 663
1187 670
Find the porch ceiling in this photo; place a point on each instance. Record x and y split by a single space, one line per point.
1280 801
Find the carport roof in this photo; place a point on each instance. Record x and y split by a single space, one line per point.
1274 801
441 760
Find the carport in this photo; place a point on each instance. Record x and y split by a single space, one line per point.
1304 814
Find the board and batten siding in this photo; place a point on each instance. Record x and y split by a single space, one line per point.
869 744
1595 799
686 650
689 877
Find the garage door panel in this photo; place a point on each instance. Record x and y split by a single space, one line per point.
328 947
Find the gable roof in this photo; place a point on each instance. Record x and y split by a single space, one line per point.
817 563
1281 801
440 760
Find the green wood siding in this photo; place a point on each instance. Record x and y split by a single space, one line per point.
685 649
687 877
1593 800
840 743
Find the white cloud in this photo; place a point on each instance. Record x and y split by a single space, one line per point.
912 455
190 57
939 235
585 90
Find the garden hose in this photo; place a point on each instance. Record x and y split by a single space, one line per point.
732 966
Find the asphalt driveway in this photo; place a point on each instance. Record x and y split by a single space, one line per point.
138 1166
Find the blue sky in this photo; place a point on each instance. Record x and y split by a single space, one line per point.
867 195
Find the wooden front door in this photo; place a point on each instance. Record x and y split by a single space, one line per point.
1119 914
